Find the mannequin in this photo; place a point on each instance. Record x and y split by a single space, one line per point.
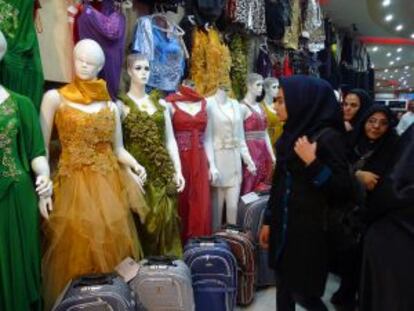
229 145
21 152
275 127
190 123
149 137
91 228
257 138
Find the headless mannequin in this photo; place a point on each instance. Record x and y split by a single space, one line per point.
255 89
139 72
39 165
89 60
193 108
229 148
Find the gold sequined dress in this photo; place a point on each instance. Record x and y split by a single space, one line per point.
91 227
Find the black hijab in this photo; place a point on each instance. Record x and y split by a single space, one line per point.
311 105
366 103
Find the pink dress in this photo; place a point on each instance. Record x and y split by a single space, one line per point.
255 127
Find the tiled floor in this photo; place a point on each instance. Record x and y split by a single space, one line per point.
265 299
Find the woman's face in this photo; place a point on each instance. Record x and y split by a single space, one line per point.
350 106
376 125
139 72
280 106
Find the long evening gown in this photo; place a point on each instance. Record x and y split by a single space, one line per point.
91 228
20 142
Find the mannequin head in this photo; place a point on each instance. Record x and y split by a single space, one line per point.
89 59
255 84
138 69
3 45
271 86
174 13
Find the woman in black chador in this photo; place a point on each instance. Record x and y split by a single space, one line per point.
388 255
312 172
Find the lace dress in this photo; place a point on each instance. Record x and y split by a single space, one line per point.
91 229
144 137
20 142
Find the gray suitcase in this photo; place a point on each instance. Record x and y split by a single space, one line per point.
102 292
250 218
164 284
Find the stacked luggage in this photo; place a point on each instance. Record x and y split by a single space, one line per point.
217 272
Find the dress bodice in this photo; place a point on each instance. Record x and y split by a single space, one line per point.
275 126
10 166
256 121
86 139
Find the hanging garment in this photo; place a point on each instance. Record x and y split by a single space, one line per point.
56 41
255 127
292 32
20 142
210 62
21 67
194 201
313 27
91 229
205 11
164 49
238 72
144 137
108 29
251 14
264 64
274 126
277 18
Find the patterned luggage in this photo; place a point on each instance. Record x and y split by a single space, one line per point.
214 273
242 245
164 284
101 292
250 218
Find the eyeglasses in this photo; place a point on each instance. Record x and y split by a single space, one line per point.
380 122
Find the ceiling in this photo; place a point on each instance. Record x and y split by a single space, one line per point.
391 49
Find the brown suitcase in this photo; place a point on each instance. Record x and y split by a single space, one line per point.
242 247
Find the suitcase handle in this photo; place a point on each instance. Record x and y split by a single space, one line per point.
233 227
206 239
160 260
95 279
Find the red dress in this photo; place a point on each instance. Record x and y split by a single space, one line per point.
194 202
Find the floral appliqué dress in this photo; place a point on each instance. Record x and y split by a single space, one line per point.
91 228
144 137
20 142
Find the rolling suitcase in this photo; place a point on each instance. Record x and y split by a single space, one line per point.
250 218
102 292
164 284
242 246
214 273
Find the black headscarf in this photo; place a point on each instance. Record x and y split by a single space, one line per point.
311 105
366 103
380 154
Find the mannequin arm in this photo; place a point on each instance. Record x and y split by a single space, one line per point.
50 103
172 148
44 186
244 151
270 148
208 146
124 157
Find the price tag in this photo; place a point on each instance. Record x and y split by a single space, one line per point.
250 198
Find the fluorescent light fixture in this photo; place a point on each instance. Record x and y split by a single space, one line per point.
375 48
386 70
407 67
398 59
389 18
396 70
392 62
399 27
391 76
399 50
389 54
412 36
386 3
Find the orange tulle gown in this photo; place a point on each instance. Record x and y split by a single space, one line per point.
91 228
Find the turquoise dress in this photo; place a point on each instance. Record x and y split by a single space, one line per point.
20 142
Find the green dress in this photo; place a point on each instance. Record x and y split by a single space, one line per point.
144 137
20 142
21 67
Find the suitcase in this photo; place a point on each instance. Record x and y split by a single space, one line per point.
242 246
214 273
164 284
101 292
250 218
